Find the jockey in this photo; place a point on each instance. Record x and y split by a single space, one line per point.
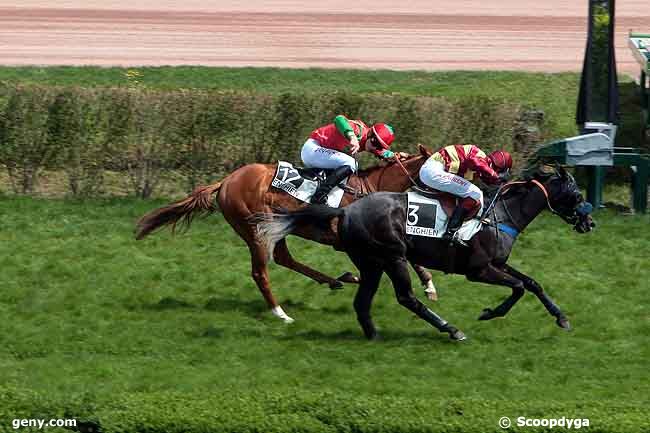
325 149
451 168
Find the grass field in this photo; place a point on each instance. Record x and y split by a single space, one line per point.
170 334
276 80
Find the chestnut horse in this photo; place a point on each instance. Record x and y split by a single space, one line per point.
247 191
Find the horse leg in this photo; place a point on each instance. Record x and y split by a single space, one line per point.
534 287
260 273
493 275
370 277
398 273
427 282
283 257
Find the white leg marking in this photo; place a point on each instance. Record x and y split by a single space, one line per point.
279 312
430 291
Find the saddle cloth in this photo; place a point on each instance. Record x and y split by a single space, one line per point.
428 217
302 184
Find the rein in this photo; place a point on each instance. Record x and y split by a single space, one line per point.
399 162
365 184
548 200
507 186
514 232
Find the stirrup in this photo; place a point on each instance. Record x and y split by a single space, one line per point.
460 242
454 238
321 200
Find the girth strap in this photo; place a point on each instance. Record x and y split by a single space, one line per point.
508 230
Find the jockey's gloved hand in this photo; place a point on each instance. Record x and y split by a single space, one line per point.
504 176
354 143
387 154
489 181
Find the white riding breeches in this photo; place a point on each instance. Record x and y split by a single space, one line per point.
314 155
433 174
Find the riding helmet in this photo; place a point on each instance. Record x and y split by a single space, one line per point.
501 160
384 134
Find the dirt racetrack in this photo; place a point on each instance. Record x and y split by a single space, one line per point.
416 34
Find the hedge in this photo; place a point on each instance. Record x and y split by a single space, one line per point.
197 135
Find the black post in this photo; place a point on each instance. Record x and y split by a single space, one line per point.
598 97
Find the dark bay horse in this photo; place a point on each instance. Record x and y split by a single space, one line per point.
373 233
247 191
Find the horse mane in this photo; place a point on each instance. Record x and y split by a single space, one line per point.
530 172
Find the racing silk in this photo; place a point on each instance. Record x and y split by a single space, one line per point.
466 161
335 135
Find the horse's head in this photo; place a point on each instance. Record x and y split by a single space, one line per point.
565 199
424 152
414 162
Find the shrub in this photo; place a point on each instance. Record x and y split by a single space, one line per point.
24 146
152 137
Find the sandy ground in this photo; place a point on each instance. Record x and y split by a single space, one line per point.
417 34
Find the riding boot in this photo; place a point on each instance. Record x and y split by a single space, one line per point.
320 196
455 222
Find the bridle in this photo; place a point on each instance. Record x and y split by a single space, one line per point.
582 209
501 191
535 182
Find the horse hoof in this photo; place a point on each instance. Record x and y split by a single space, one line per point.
431 296
564 324
349 277
288 320
336 285
487 314
372 335
458 335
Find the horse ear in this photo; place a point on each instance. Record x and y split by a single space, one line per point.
545 169
424 151
561 171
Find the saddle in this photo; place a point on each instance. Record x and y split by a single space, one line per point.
301 183
447 200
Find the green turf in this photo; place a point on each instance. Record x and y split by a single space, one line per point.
170 334
275 80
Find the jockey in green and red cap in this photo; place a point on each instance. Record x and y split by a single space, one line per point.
332 146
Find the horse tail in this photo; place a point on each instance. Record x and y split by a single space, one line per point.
199 202
273 227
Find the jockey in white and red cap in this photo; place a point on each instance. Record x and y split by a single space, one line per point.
452 168
332 146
